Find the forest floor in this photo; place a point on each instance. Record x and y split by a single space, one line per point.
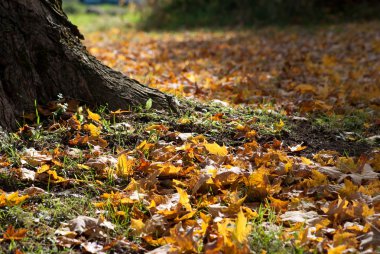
276 151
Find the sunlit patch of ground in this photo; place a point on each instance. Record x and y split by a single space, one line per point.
332 69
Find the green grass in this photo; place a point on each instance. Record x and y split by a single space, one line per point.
266 233
42 222
111 16
354 121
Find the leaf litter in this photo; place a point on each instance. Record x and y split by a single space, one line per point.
159 184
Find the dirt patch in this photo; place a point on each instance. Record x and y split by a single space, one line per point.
318 138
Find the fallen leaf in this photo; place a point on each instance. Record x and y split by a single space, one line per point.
93 116
215 149
13 234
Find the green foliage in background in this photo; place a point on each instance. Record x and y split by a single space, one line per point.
172 14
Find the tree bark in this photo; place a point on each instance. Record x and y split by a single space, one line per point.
41 56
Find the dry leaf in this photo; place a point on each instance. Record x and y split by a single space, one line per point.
215 149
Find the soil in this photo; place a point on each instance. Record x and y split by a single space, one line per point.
318 138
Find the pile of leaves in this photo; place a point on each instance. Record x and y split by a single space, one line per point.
219 178
333 69
183 192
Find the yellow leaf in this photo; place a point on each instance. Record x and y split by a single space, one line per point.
205 222
241 230
250 213
224 230
93 129
216 149
345 238
12 196
54 177
12 199
278 126
258 183
186 216
144 146
184 121
337 250
157 127
322 224
317 179
168 169
306 161
348 189
160 241
43 168
82 166
93 116
288 166
138 226
152 204
120 213
184 240
179 183
184 199
191 77
124 166
99 204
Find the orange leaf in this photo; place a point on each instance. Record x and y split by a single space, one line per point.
278 204
13 234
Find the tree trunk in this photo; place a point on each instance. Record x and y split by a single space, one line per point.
41 56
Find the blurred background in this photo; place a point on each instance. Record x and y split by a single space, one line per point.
180 14
307 55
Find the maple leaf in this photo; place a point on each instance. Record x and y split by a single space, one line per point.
93 129
13 234
258 183
348 189
144 146
216 149
337 250
184 199
93 116
137 226
184 240
125 166
346 238
279 126
317 179
12 199
242 229
278 204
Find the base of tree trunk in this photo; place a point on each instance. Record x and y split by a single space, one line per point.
41 56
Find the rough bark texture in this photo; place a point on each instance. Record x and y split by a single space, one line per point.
41 56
